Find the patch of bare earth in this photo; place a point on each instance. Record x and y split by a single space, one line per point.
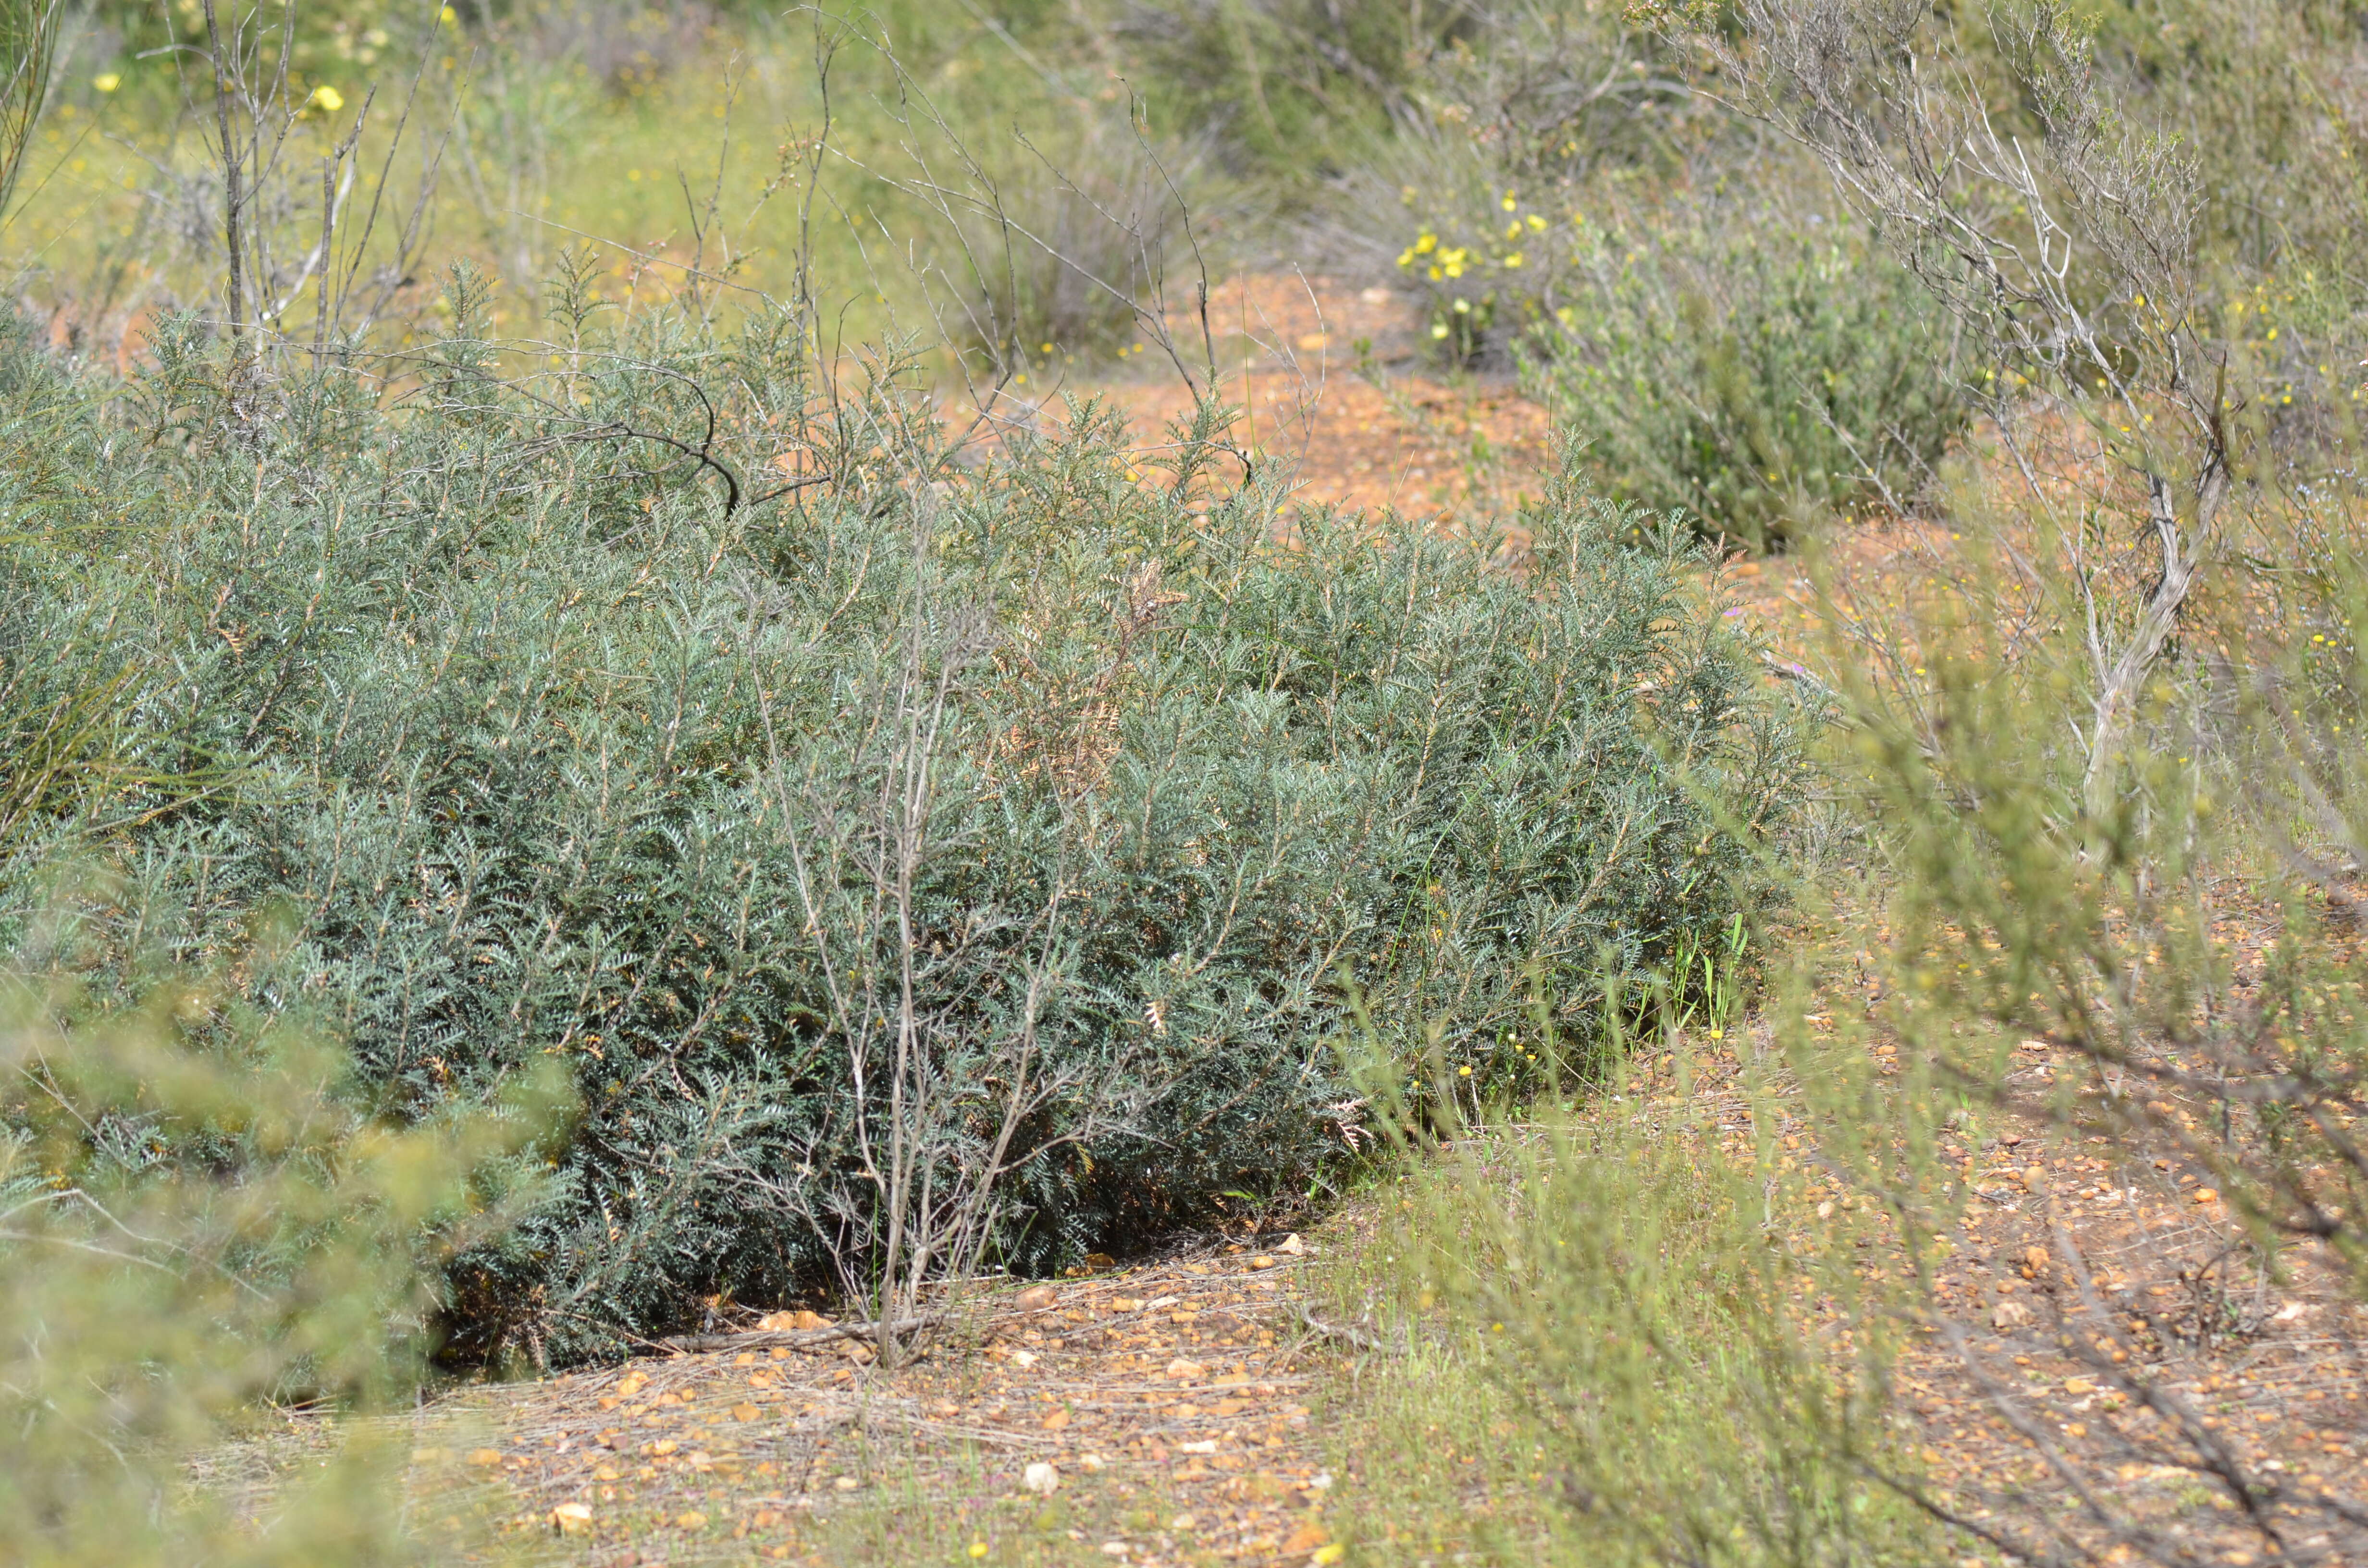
2115 1368
2108 1366
1329 383
1169 1403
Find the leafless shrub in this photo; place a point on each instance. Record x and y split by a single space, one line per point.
948 1087
276 204
2069 244
1076 249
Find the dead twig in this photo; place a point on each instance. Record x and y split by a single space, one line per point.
795 1339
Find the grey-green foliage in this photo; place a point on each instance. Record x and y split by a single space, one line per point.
1758 373
1081 792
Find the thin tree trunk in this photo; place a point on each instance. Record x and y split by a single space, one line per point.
2118 692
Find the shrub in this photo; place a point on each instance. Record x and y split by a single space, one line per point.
1555 197
925 862
1284 85
203 1216
1759 374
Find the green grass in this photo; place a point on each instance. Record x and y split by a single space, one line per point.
1602 1343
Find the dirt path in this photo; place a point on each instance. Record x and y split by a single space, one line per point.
1330 382
1168 1401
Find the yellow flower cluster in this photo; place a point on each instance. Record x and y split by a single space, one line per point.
1447 262
1467 311
1441 262
2264 330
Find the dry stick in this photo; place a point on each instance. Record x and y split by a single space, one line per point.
321 260
642 258
380 187
1318 1329
430 165
733 75
328 238
254 95
800 1339
828 33
236 292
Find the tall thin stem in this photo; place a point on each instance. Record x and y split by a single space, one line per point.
234 201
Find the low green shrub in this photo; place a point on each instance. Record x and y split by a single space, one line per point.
1759 375
1755 363
910 859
